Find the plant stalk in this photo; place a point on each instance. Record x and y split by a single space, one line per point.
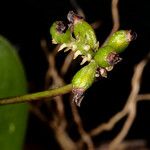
37 96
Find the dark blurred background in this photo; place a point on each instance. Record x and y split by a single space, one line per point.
25 23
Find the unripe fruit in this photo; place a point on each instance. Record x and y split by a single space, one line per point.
82 80
120 40
102 56
85 76
60 33
82 31
85 33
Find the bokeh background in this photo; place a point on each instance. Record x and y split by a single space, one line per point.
25 23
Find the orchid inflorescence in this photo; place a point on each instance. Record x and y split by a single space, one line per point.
79 36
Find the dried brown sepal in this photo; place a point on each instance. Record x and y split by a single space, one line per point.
131 35
113 58
101 72
72 17
61 27
77 96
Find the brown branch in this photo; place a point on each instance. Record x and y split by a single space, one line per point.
115 19
110 124
84 135
67 63
131 104
61 135
142 97
58 125
115 16
96 24
127 145
36 111
77 8
124 131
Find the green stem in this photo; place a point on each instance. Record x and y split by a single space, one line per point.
36 96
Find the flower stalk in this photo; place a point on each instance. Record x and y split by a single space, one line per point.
37 96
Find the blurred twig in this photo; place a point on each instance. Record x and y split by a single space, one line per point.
131 103
142 97
77 8
127 145
67 63
84 135
61 135
115 18
96 24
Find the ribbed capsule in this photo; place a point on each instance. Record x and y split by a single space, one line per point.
85 33
82 31
60 33
106 57
120 40
82 80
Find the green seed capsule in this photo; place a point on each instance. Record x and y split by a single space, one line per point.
82 80
120 40
85 76
102 56
83 32
59 32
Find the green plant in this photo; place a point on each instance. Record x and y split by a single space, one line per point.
82 40
80 37
82 80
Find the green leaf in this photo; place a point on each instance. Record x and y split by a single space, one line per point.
13 118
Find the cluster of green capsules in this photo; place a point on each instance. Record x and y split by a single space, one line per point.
80 37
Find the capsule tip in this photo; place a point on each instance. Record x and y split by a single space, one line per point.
77 96
131 35
61 27
73 17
